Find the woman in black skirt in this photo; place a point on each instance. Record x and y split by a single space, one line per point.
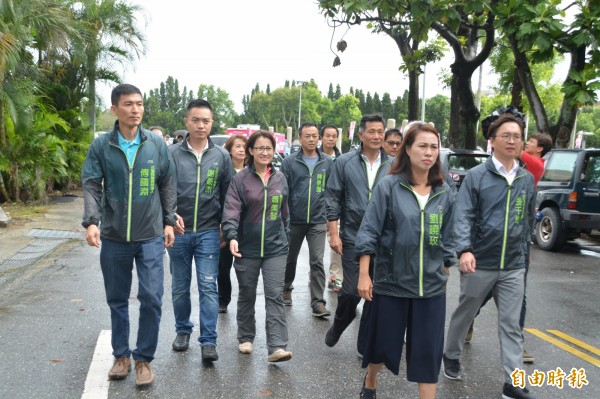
407 228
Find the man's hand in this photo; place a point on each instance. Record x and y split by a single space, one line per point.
92 236
169 236
467 262
179 227
335 243
233 247
365 287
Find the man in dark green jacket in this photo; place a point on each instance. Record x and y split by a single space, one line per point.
306 172
129 202
203 172
353 178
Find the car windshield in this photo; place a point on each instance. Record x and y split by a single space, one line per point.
219 140
560 167
465 162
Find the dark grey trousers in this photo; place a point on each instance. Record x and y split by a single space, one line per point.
315 237
273 271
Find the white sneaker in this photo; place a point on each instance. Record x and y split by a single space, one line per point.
245 347
280 355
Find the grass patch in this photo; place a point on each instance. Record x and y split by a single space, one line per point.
24 212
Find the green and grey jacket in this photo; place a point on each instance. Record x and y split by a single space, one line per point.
493 219
410 245
349 192
307 188
201 186
256 215
129 204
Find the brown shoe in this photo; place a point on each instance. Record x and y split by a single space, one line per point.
287 298
120 368
143 373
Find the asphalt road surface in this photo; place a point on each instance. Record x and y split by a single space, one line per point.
55 325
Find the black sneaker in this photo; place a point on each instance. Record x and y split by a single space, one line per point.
452 368
209 353
222 308
332 337
181 342
366 393
527 357
511 392
287 298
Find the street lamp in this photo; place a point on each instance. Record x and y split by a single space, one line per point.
300 103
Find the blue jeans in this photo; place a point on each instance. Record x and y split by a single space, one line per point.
116 261
203 248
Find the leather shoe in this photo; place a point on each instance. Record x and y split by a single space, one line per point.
120 368
143 373
209 353
332 337
181 343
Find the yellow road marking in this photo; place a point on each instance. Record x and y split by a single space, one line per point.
565 347
575 341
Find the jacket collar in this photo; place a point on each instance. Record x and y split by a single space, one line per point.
114 138
489 164
299 153
383 154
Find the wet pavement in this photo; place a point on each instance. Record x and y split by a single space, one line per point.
51 317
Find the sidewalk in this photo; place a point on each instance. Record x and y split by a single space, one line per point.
64 213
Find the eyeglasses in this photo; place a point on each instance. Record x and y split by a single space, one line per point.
263 149
507 137
394 143
204 121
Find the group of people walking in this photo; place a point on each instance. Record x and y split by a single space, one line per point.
393 224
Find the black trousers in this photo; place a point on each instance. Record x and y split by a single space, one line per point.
224 280
348 298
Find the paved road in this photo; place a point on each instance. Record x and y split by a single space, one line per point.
51 318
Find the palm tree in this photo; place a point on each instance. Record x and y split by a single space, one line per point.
25 26
113 35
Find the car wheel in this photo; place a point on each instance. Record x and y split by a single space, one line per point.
549 233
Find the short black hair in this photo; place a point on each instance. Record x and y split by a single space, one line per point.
199 103
123 88
328 127
306 124
544 141
370 118
392 132
502 119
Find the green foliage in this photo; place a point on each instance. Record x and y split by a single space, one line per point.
437 110
166 106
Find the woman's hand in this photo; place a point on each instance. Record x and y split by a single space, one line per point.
233 247
365 287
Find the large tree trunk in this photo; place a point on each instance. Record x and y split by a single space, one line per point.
526 80
516 93
561 132
464 112
413 96
15 182
91 77
406 49
4 197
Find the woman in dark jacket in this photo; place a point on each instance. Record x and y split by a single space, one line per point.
407 228
255 222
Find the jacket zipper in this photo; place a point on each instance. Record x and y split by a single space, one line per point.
310 174
199 168
130 196
370 186
422 237
506 218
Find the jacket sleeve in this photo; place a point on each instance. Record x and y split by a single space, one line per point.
92 177
465 213
227 171
167 186
285 210
334 194
531 213
373 222
448 230
232 210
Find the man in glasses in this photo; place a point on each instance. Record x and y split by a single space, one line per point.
203 172
493 219
392 142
